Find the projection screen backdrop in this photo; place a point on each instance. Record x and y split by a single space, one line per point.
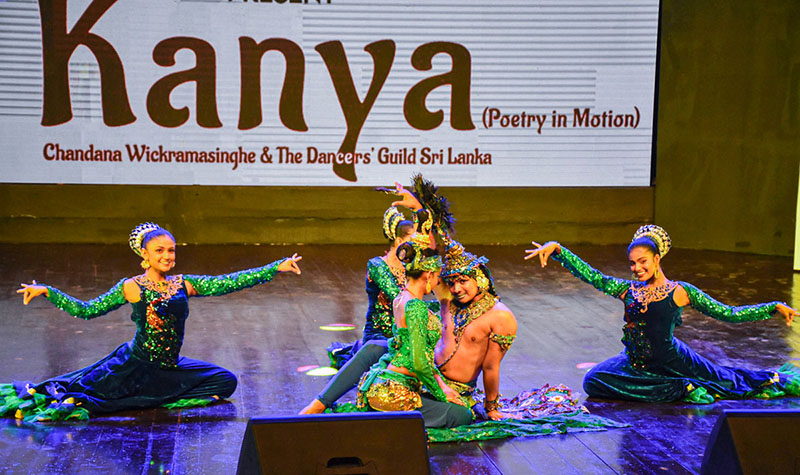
318 92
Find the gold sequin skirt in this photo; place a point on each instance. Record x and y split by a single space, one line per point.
390 391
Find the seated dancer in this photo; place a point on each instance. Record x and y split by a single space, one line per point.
385 277
655 366
478 328
147 371
396 382
476 334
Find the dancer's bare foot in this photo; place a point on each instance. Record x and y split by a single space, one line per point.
314 407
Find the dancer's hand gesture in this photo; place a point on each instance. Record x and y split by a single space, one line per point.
409 200
31 291
543 251
788 313
290 264
452 396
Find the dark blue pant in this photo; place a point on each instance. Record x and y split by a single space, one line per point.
347 377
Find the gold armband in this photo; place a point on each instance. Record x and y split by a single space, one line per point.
504 341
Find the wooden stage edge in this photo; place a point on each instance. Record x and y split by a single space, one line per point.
265 334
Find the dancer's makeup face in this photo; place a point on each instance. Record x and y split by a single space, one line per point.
643 263
160 253
463 287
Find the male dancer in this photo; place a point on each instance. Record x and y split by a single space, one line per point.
477 329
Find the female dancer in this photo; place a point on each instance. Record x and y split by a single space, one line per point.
655 366
395 383
147 371
385 278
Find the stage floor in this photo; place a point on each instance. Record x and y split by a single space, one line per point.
266 333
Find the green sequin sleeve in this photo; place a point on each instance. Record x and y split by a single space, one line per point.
207 285
714 309
111 300
582 270
424 367
384 279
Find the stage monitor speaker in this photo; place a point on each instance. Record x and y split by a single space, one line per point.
754 442
343 444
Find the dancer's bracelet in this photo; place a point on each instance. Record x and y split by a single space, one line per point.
493 405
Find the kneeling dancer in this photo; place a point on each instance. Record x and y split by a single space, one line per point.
396 382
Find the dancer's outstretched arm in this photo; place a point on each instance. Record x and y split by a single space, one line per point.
688 294
579 268
111 300
205 285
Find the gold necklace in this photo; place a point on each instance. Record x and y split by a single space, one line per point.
646 295
463 316
166 289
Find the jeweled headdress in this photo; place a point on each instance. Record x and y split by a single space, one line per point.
428 195
418 262
137 235
457 261
391 218
423 223
657 235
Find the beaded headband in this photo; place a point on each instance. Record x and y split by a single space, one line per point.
419 263
137 235
657 235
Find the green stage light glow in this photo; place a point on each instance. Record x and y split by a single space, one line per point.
322 371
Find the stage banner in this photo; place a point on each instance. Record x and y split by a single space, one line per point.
327 92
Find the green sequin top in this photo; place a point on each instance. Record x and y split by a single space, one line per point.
161 313
382 286
413 347
742 313
224 284
111 300
698 299
582 270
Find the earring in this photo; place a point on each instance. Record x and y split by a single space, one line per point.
655 274
428 287
145 265
482 281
